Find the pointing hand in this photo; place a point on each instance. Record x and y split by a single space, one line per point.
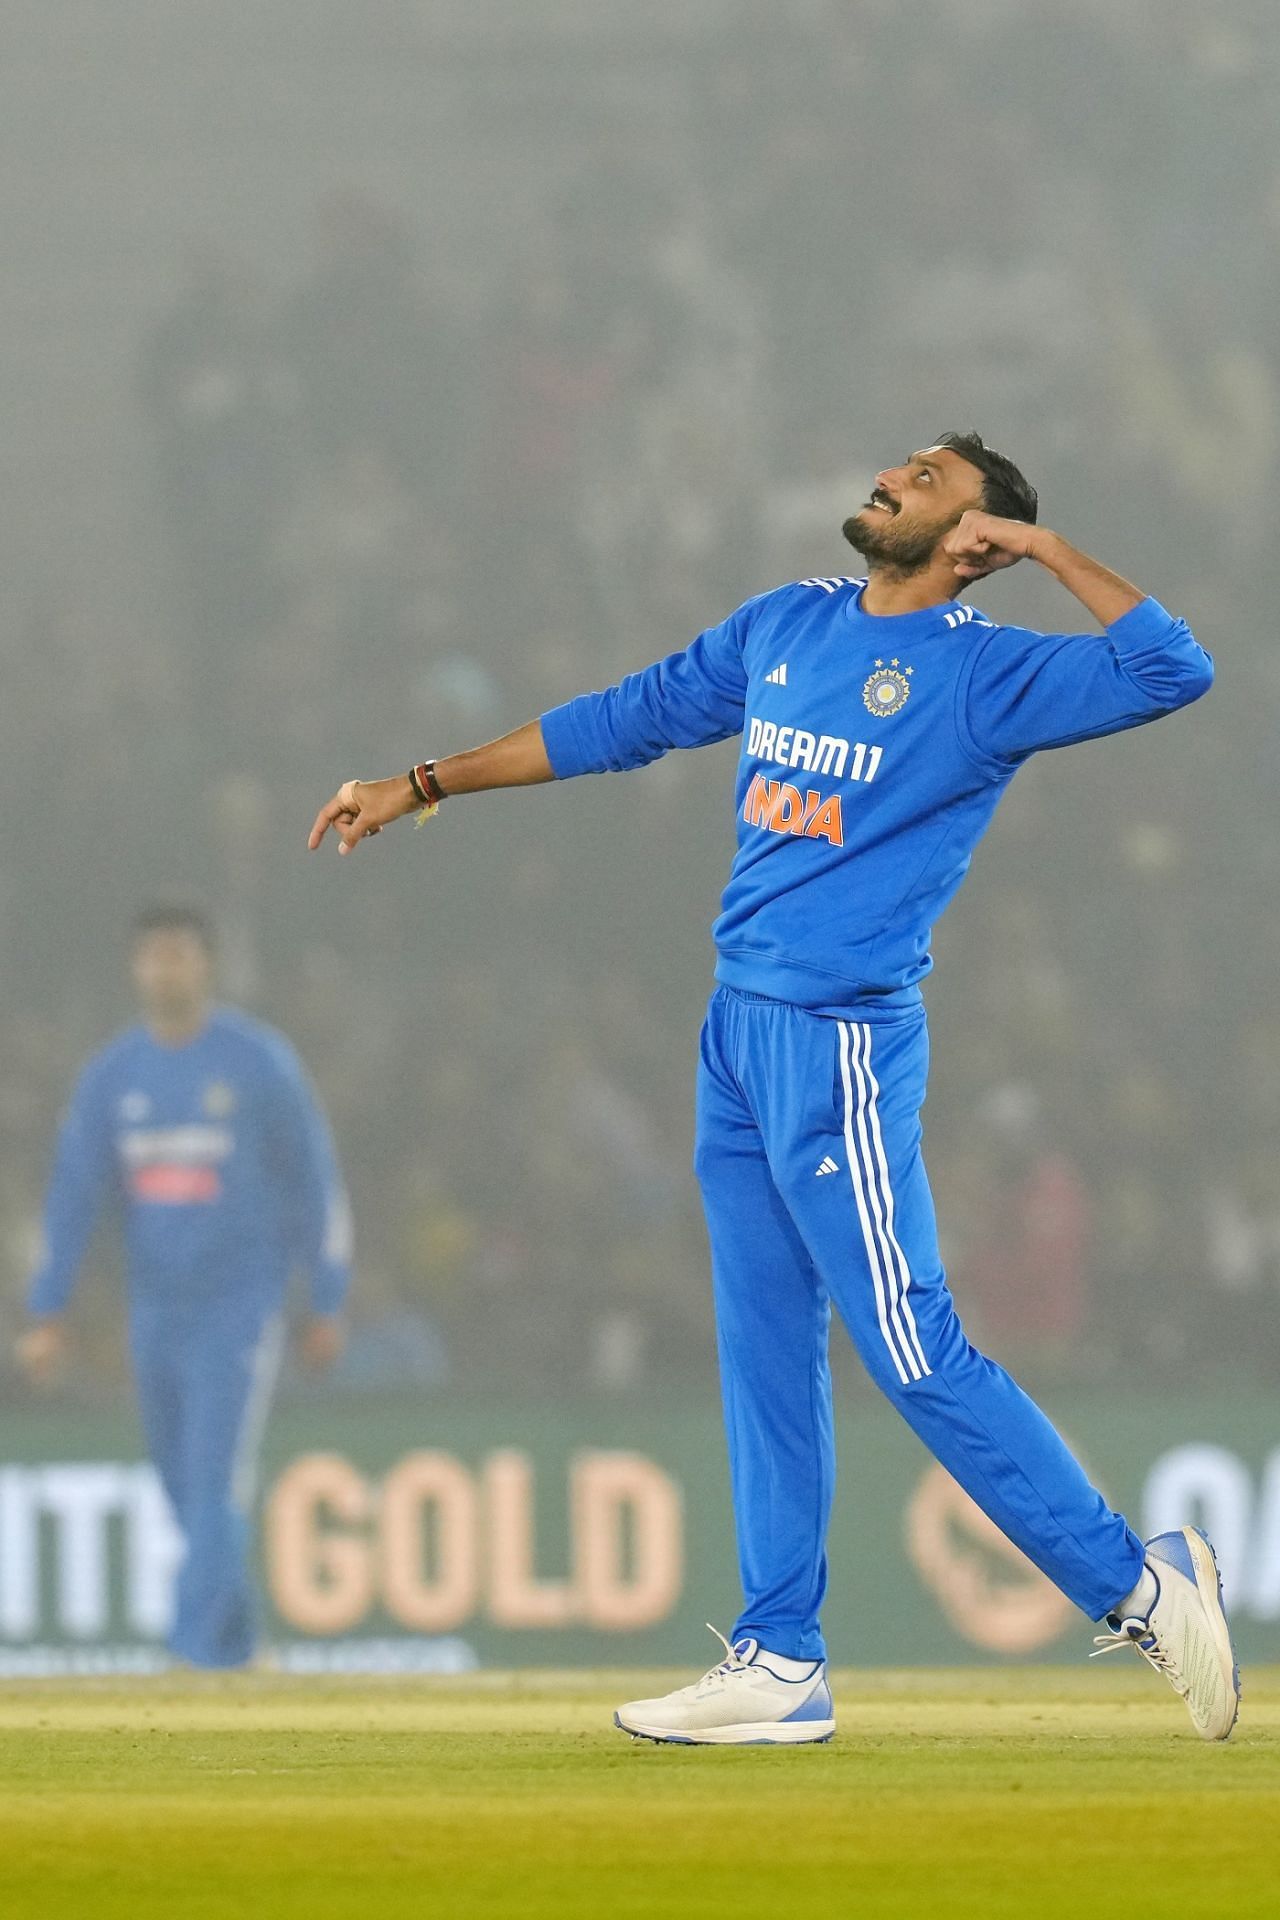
361 808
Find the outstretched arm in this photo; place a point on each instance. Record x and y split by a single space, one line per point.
363 807
687 700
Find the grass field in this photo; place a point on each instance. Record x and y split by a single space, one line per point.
1028 1793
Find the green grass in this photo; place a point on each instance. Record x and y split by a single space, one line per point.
1031 1793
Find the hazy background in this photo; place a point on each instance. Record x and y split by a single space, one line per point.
376 376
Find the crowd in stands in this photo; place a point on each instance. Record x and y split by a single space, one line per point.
385 516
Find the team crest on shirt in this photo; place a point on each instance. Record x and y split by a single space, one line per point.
887 690
219 1100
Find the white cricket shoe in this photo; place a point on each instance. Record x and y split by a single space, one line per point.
741 1703
1185 1636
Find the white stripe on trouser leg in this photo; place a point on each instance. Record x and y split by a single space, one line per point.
864 1212
893 1279
905 1339
265 1365
881 1160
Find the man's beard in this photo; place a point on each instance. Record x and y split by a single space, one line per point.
891 548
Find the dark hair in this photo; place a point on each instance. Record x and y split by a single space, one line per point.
174 919
1005 491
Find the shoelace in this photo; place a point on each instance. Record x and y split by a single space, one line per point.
732 1661
1143 1641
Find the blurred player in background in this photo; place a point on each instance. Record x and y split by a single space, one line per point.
201 1126
882 720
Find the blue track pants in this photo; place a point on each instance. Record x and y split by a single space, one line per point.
205 1375
808 1155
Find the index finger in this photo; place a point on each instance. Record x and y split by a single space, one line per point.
325 819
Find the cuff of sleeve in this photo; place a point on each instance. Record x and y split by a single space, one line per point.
1143 625
561 739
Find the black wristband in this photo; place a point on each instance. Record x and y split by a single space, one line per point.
422 779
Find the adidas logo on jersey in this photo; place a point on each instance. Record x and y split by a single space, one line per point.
828 1166
778 678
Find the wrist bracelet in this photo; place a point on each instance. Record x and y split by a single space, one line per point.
422 779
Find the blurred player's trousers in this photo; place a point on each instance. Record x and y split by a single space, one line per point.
205 1373
808 1155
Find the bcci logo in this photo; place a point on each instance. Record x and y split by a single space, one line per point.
886 691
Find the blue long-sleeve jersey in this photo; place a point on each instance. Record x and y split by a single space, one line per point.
220 1161
875 749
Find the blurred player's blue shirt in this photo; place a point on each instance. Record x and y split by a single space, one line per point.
220 1161
874 752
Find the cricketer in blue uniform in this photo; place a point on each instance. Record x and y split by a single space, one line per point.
881 721
210 1141
875 749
